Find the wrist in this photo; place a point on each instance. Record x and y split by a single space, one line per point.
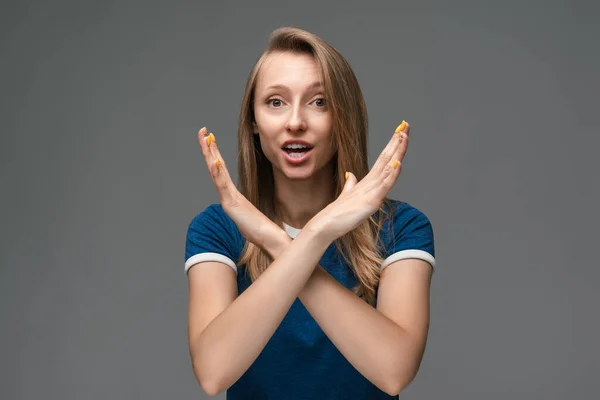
316 228
274 244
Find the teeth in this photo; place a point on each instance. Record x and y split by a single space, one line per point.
296 146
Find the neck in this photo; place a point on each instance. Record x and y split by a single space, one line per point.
300 200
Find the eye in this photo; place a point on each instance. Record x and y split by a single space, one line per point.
275 102
322 102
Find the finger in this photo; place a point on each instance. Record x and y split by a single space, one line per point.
388 152
214 148
214 166
351 180
403 127
394 166
202 133
390 175
403 147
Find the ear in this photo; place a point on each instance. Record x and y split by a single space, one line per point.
254 128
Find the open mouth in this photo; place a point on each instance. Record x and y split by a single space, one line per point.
297 154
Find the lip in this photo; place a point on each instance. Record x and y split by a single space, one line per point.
296 141
297 161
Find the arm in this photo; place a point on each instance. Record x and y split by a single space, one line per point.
231 342
278 287
399 323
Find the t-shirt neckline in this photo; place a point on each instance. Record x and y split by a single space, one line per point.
291 231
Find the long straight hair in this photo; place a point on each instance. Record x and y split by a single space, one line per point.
359 247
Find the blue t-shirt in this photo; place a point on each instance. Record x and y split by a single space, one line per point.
299 361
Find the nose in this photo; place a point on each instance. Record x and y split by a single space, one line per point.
296 121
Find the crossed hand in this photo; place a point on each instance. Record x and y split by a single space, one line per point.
357 201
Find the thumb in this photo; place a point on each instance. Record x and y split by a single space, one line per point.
350 182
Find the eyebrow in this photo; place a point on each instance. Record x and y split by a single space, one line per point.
280 86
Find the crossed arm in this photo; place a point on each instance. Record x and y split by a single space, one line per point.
385 344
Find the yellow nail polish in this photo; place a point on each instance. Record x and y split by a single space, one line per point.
346 175
400 127
213 137
218 163
396 164
208 141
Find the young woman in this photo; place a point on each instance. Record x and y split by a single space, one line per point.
307 282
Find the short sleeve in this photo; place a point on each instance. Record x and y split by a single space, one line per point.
409 235
213 236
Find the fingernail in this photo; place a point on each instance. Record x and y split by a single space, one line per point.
213 137
208 141
203 130
396 164
400 127
346 175
218 163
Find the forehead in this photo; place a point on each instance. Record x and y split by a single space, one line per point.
289 69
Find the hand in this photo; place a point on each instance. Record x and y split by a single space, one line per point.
253 225
359 200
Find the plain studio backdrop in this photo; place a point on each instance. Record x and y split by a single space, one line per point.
101 174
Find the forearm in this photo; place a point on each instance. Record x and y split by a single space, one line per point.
375 345
234 339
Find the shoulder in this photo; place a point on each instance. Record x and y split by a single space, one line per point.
215 220
404 216
407 232
212 216
213 231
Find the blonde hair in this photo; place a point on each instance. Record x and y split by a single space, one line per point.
359 247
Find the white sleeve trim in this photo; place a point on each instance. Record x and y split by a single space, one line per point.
202 257
404 254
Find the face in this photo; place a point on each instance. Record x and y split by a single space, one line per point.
289 106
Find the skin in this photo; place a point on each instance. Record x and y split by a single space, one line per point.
297 110
401 319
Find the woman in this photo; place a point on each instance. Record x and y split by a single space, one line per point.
307 282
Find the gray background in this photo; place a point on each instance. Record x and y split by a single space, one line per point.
101 174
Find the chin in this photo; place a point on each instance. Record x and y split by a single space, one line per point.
299 173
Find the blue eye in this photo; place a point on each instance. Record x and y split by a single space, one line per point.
273 100
322 100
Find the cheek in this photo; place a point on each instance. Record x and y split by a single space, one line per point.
326 128
267 144
267 126
267 138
